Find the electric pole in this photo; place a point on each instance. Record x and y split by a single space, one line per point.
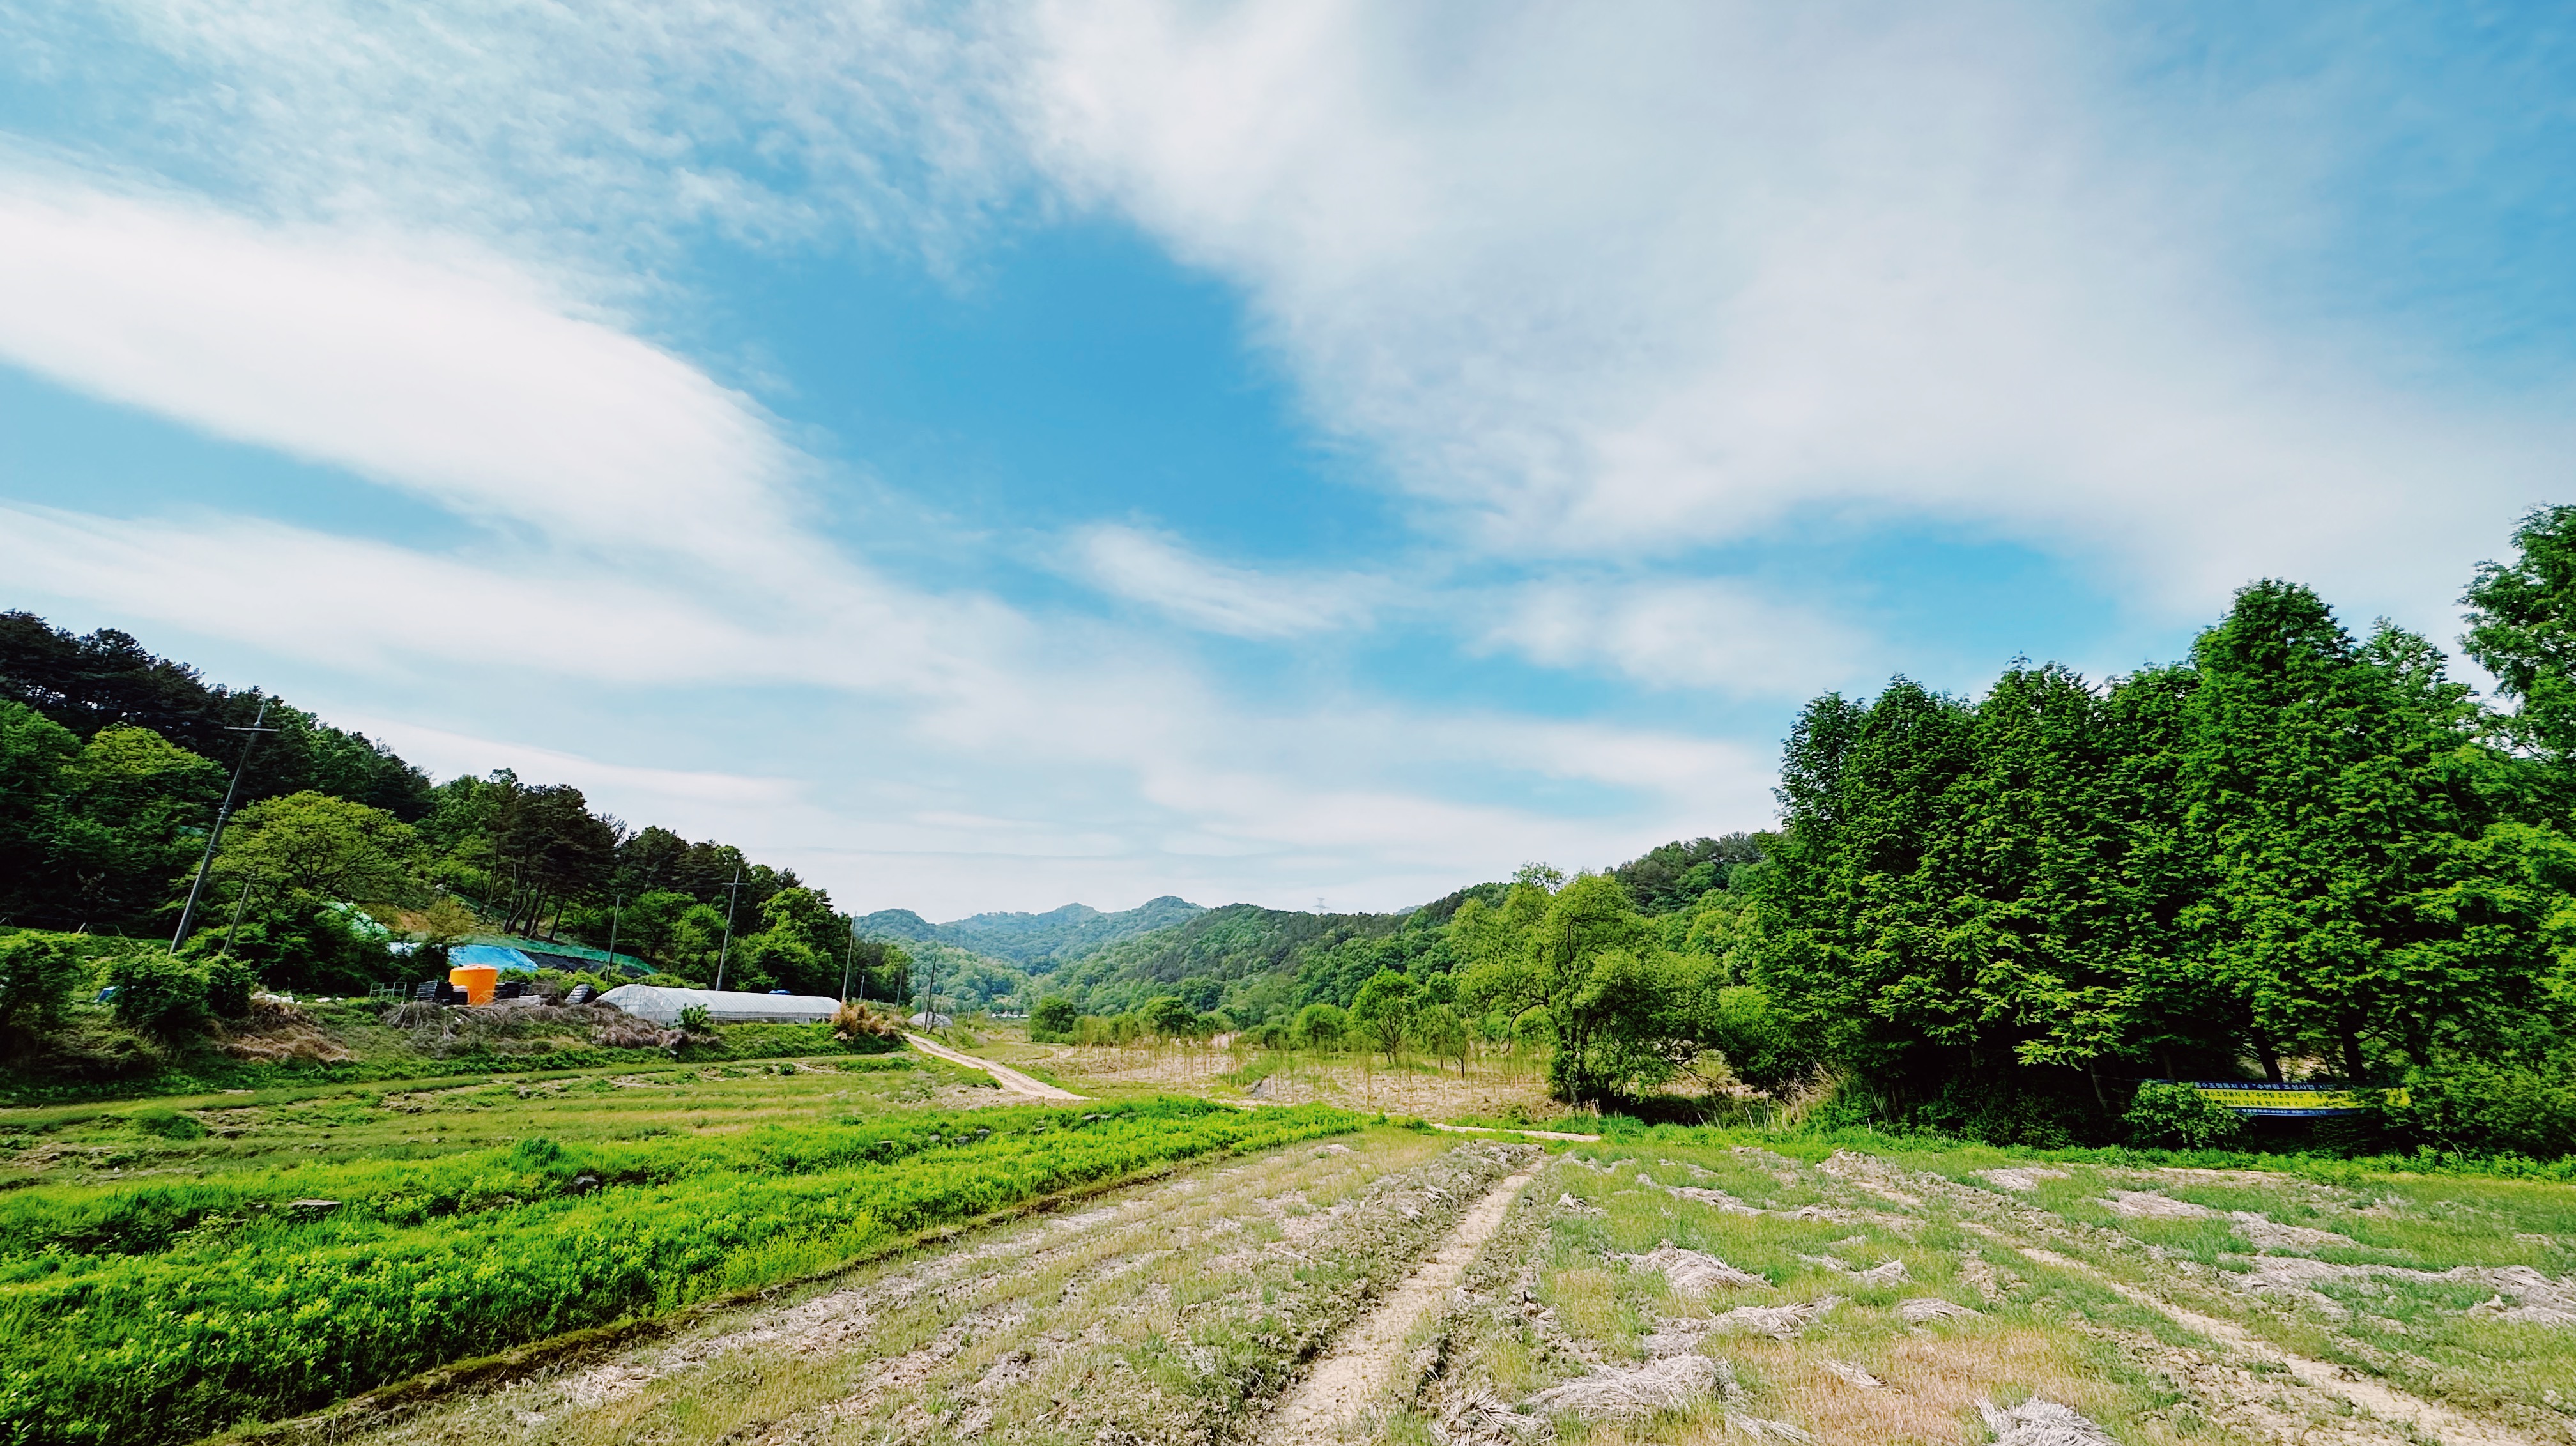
849 955
731 904
188 914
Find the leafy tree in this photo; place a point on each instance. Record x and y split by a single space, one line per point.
34 751
1170 1018
1384 1011
38 974
1053 1020
1321 1027
1442 1034
324 847
2522 629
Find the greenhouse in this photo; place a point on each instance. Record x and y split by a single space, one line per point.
663 1006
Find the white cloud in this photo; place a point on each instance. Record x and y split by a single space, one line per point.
1157 570
421 362
1708 633
1628 289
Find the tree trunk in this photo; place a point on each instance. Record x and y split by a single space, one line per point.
2352 1063
2263 1052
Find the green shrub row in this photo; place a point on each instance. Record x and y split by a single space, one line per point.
207 1072
50 1229
174 1345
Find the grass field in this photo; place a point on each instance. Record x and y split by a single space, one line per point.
163 1272
171 1271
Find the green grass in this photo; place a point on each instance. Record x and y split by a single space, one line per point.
304 1125
384 1054
167 1310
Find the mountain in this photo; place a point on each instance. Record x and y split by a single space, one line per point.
1034 941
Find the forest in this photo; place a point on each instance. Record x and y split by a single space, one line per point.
2301 853
341 866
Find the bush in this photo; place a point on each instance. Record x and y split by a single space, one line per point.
2489 1106
229 983
157 993
1321 1026
38 974
169 1125
694 1019
2176 1116
1054 1020
866 1029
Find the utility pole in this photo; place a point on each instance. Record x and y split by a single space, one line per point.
849 955
238 905
615 901
731 904
188 915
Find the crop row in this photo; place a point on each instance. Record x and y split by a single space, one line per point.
172 1346
45 1229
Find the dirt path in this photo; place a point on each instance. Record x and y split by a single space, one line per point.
1357 1367
1011 1079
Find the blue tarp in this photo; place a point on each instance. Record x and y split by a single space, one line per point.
492 955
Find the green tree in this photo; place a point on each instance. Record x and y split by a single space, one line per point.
1442 1034
1053 1020
2522 629
38 975
1170 1017
1384 1011
34 751
1321 1027
324 847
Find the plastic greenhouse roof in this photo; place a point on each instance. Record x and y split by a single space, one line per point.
490 955
663 1006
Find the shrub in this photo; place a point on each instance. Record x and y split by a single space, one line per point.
157 993
1054 1020
1321 1026
694 1019
2176 1116
38 974
866 1029
229 983
2490 1106
169 1125
1171 1017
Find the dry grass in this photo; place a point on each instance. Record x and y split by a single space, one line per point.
1492 1088
1141 1317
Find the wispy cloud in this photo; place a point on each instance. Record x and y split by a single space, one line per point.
1156 569
423 362
1714 634
1627 289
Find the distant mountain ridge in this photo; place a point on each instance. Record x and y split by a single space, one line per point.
1066 933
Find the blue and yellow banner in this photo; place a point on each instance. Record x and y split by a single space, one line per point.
2294 1101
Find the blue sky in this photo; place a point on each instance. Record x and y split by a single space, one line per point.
991 456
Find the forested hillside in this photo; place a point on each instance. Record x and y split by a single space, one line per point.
1032 940
114 762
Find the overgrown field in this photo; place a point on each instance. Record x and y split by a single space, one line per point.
1685 1285
1170 1312
163 1308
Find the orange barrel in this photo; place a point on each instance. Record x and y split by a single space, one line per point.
476 980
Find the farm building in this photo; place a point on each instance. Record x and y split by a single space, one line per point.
663 1006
